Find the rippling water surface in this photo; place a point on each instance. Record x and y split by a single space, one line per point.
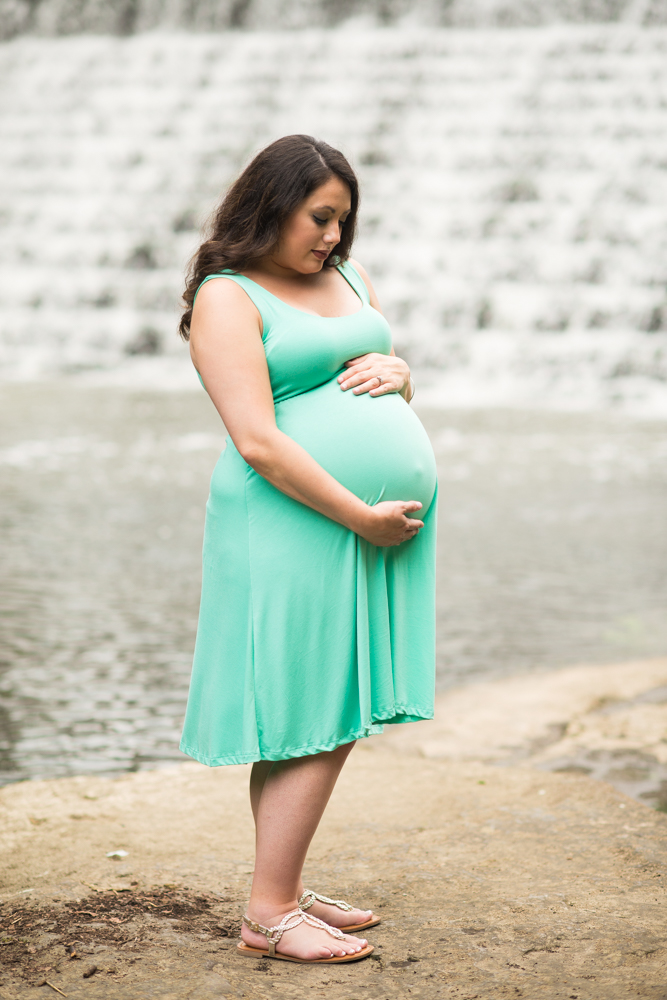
552 550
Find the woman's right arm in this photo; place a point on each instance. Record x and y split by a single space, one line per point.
227 350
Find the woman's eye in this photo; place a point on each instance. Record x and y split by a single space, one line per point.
321 222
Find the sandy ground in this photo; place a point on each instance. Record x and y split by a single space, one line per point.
492 881
606 721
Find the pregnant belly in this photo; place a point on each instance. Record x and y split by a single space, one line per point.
375 446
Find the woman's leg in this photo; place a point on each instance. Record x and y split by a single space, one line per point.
288 800
258 775
331 914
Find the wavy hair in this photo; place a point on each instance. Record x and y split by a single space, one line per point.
249 221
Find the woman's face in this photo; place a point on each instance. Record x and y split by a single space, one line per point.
314 229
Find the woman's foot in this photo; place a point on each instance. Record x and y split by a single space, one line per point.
336 917
304 941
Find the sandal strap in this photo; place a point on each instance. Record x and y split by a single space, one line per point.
288 923
309 897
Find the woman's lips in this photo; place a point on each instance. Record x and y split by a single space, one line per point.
321 254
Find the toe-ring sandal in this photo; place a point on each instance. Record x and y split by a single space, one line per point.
288 923
309 898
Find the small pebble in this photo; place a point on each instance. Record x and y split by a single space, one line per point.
90 971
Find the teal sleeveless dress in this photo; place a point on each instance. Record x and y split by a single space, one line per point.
310 637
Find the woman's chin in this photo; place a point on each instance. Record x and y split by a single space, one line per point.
311 265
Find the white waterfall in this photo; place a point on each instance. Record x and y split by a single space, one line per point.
126 17
514 213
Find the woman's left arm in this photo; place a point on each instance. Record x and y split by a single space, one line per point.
376 374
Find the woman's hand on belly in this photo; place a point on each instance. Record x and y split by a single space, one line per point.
363 373
389 523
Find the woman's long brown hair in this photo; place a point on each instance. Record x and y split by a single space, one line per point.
248 223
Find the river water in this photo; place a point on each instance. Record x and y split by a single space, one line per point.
552 551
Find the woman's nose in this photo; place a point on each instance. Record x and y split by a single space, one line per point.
333 234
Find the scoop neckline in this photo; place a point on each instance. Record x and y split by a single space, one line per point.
303 311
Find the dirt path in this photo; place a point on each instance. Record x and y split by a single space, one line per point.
493 881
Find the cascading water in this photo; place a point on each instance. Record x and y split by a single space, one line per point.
125 17
514 192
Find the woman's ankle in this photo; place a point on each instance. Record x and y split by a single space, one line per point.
261 910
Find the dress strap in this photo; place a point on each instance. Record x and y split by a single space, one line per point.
354 279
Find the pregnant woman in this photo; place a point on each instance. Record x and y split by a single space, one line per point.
316 625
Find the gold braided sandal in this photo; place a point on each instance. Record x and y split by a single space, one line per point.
309 897
288 923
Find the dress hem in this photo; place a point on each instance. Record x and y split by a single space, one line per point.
375 729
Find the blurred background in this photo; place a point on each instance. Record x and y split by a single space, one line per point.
513 161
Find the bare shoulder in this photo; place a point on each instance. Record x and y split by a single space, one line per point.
362 271
224 302
220 291
367 281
